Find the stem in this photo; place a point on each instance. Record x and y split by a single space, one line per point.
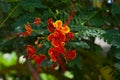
8 16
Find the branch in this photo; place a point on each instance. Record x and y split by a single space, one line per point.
32 70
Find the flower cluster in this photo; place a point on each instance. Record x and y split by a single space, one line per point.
31 53
60 35
28 28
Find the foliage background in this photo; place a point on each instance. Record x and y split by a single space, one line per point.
90 20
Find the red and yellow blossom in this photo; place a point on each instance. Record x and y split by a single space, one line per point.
59 26
52 53
57 38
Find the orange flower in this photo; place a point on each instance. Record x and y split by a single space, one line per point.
71 54
28 30
57 38
52 53
37 21
50 27
55 53
59 26
65 29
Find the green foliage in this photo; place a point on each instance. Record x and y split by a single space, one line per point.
112 37
87 23
8 59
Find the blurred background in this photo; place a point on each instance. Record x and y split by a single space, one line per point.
95 23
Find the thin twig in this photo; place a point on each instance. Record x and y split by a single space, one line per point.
8 16
32 70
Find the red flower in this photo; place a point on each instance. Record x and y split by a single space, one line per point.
39 58
60 49
31 52
53 54
51 28
57 38
28 30
53 58
71 54
37 21
69 36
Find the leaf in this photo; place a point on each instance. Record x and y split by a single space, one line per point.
5 6
115 9
117 65
81 44
30 5
117 55
112 37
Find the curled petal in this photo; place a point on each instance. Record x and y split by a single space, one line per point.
39 58
30 51
60 49
55 43
53 58
58 24
51 51
65 29
59 36
50 37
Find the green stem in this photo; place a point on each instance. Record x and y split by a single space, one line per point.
89 18
8 16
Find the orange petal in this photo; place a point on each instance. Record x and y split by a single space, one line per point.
65 29
58 24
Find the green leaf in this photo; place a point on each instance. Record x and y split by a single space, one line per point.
5 6
113 37
117 55
117 65
30 5
115 9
